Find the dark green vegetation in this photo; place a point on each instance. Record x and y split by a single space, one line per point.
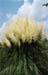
46 4
29 59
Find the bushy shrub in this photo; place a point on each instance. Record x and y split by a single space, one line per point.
21 50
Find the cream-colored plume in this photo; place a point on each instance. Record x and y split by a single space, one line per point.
24 29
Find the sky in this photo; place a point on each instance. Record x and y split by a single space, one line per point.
9 9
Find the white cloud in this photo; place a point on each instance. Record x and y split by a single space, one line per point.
34 10
24 10
38 10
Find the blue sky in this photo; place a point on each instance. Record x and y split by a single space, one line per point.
33 8
9 7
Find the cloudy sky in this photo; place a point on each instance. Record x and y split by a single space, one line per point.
31 8
9 8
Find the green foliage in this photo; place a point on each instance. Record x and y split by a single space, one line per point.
29 59
46 4
23 49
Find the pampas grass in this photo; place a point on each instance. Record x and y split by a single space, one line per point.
22 51
24 29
